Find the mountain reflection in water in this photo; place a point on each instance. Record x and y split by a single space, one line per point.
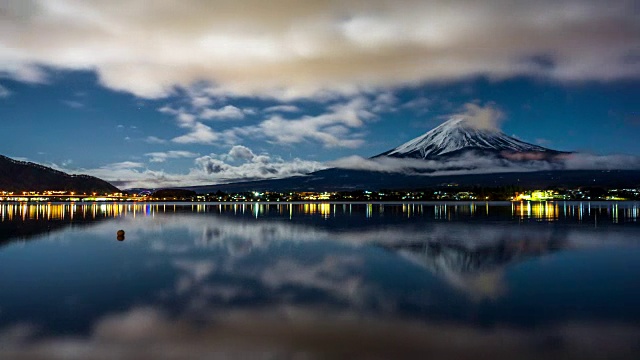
452 280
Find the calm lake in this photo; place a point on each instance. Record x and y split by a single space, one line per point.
308 280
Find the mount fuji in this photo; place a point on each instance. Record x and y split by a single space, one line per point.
456 152
459 136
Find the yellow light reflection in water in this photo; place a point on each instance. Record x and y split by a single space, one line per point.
537 210
323 209
71 211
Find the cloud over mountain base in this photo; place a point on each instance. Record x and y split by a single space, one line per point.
470 163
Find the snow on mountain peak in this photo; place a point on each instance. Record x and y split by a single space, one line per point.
460 134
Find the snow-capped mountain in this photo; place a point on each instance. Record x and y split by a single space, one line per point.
457 136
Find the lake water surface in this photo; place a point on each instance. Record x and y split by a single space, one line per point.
417 280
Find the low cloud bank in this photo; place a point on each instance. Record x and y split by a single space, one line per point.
240 163
473 164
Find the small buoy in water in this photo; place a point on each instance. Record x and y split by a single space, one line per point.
120 235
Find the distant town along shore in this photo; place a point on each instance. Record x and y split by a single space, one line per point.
450 193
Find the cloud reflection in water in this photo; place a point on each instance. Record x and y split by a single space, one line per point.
352 281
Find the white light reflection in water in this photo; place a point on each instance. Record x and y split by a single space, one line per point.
592 212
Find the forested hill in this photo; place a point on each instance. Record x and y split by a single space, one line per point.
27 176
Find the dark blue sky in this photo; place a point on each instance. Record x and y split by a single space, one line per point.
147 98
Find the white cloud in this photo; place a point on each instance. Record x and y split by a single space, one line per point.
481 117
168 110
384 102
472 164
287 49
228 112
4 92
333 128
201 101
123 165
239 164
154 140
602 162
240 152
419 104
185 119
140 177
282 108
199 133
73 104
173 154
336 127
463 165
251 166
20 71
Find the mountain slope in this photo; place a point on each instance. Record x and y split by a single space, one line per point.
27 176
457 136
